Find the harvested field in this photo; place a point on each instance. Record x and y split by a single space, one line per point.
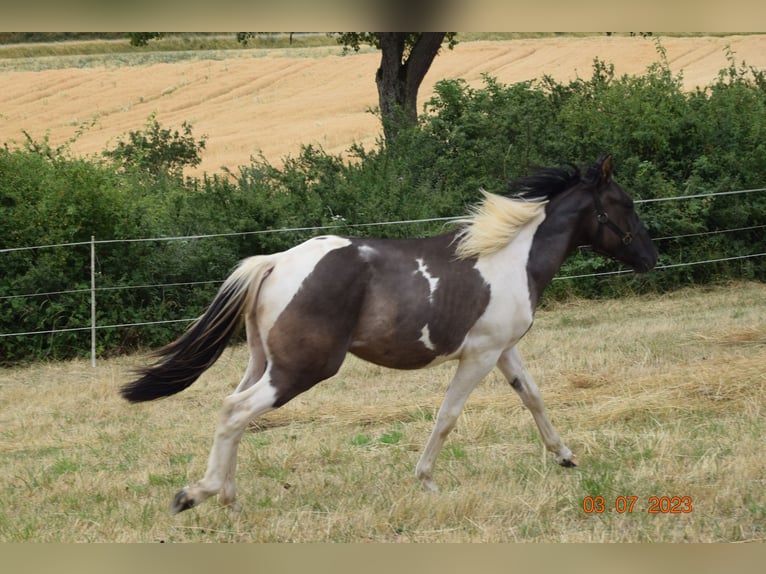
250 102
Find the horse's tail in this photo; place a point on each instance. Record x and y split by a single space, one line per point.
185 359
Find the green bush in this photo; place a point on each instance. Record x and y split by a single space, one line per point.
158 151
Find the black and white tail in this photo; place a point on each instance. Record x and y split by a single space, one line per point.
185 359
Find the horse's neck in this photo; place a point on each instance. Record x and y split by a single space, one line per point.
555 238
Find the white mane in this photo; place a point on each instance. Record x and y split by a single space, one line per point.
493 223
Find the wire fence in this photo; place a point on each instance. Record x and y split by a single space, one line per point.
94 289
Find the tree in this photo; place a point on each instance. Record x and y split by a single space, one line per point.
405 59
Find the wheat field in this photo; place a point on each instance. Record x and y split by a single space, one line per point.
270 102
659 396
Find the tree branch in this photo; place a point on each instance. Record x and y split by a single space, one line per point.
422 55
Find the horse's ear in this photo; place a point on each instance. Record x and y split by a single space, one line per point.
606 168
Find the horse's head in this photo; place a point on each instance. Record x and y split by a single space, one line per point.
614 229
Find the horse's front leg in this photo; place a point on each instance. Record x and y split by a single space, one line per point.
512 367
470 372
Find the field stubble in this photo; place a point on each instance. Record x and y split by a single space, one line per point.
657 395
269 102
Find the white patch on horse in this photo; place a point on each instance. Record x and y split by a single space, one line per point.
433 282
290 271
507 267
367 252
425 338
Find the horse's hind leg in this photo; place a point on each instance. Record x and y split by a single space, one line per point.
228 492
512 367
238 410
256 367
277 386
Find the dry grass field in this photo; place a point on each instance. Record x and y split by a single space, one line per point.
659 396
257 101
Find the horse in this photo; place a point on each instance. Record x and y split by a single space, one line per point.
467 295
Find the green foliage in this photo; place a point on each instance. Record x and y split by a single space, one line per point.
158 151
354 40
142 38
666 143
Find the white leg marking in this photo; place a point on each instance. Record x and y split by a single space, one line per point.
237 412
470 372
433 282
512 367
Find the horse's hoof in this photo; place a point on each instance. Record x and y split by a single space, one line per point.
428 485
568 463
182 502
234 507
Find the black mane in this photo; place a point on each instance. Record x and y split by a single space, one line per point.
547 182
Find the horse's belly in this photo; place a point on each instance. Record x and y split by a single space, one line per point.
398 354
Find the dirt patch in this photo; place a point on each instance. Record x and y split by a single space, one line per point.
270 105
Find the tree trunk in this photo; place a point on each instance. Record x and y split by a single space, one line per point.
398 80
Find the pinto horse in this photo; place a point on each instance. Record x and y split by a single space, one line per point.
467 295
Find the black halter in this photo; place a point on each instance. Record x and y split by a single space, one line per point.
603 219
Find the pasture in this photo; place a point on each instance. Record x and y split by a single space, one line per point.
659 397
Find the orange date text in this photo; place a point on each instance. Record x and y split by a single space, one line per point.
630 504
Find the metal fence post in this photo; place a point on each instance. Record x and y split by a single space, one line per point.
93 301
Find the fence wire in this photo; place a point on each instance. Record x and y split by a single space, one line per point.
337 227
341 226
